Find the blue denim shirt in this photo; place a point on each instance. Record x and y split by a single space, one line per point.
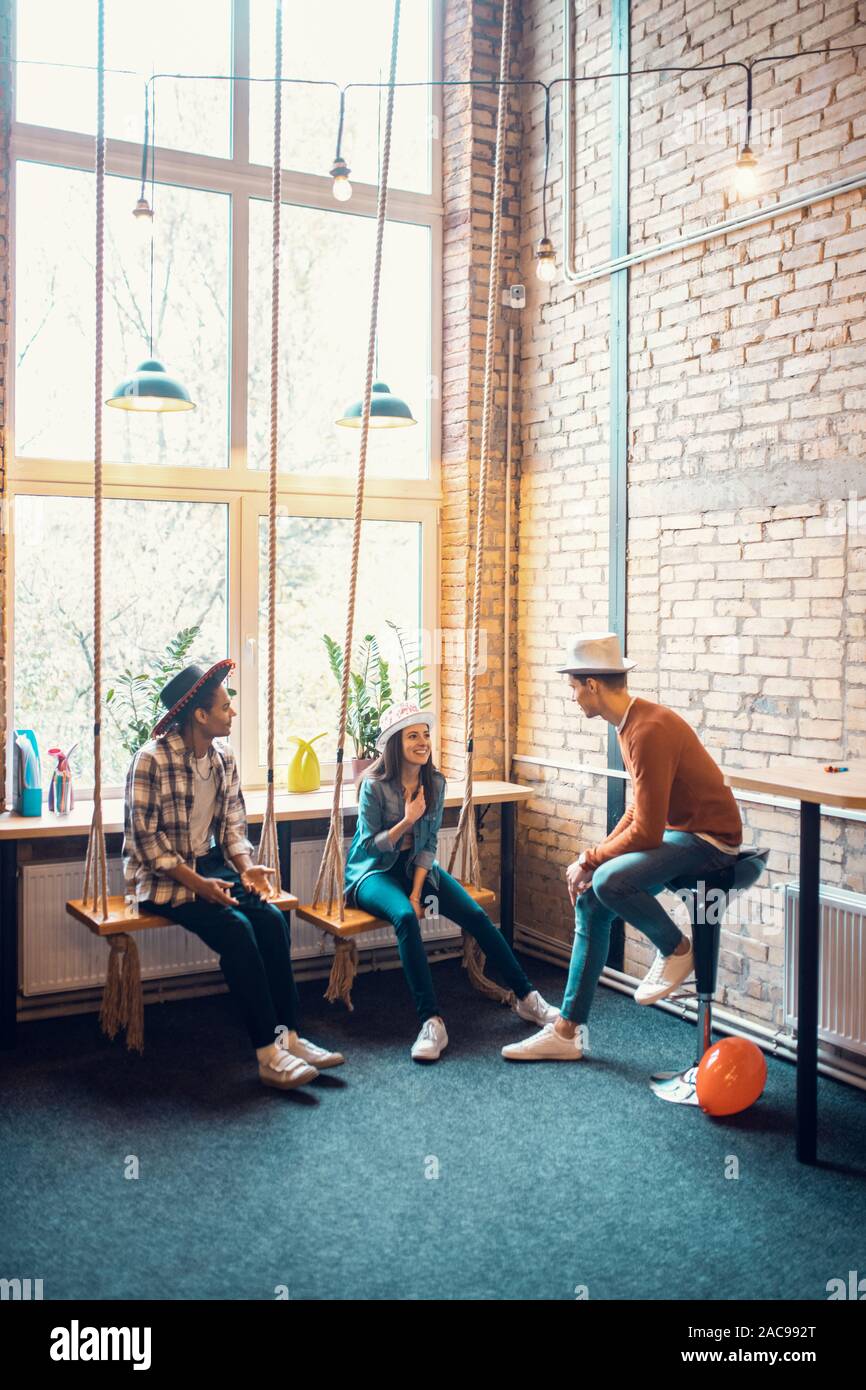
380 808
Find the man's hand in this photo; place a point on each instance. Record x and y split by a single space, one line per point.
216 890
255 880
578 880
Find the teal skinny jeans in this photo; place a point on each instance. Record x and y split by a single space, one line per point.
627 887
383 893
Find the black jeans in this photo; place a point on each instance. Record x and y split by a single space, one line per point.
253 943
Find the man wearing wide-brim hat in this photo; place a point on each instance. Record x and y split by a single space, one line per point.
186 856
683 820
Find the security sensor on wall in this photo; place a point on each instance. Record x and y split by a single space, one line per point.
514 297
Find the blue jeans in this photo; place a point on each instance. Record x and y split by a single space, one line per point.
383 893
254 947
627 887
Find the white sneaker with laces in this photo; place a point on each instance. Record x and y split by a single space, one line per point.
535 1009
308 1052
665 975
546 1046
430 1042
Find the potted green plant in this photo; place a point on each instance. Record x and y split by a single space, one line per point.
370 695
371 692
414 685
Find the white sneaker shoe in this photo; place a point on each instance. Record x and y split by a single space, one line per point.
535 1009
546 1046
309 1052
286 1071
430 1042
664 976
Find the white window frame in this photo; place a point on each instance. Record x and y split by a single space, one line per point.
243 489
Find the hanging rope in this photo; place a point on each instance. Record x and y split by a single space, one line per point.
466 841
268 850
330 879
122 1003
95 866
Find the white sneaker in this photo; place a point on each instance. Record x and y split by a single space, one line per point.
535 1009
430 1042
309 1052
546 1046
286 1071
664 976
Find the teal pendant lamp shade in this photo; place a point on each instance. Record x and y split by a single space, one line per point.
387 411
150 388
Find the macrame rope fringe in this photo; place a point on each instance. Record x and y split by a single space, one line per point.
122 1001
343 972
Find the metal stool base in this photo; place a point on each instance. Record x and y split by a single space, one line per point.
678 1087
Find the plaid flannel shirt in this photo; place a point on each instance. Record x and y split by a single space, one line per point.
157 810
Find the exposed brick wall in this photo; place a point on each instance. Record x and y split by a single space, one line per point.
5 126
747 417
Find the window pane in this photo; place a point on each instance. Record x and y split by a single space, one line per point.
194 37
54 317
313 555
347 43
165 568
325 288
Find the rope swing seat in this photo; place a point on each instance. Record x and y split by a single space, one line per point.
328 910
119 919
107 915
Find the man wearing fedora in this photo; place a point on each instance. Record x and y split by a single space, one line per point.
684 820
186 856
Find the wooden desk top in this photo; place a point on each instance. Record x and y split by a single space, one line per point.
293 806
805 781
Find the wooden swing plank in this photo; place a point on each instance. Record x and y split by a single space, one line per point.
355 922
117 920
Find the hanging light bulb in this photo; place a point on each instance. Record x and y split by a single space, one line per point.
545 260
746 172
340 172
143 212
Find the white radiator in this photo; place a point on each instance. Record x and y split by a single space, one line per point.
842 974
58 953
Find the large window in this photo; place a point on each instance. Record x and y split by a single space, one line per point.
185 532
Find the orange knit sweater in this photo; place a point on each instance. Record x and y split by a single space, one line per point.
677 785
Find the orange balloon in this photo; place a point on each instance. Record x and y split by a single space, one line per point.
731 1076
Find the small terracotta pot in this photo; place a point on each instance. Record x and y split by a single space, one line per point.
358 766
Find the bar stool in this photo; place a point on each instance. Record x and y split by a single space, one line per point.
745 870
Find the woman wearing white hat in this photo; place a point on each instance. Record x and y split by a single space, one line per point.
393 857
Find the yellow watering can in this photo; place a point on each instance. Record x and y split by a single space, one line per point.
304 772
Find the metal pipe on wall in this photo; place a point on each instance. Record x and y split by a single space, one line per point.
645 253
